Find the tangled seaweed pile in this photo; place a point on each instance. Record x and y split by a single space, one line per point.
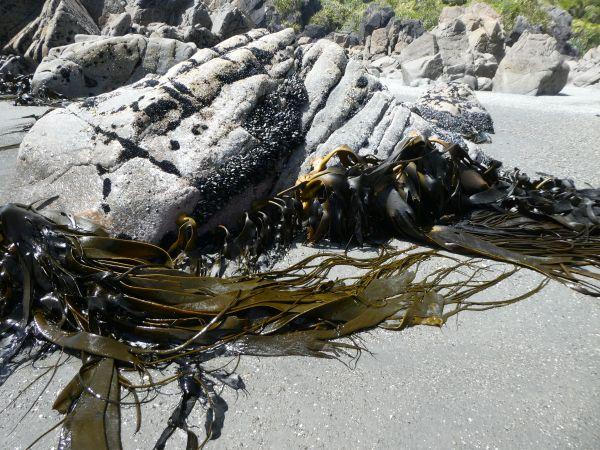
18 89
127 308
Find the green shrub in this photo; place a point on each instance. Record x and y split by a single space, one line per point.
286 7
345 15
586 35
532 10
341 15
427 11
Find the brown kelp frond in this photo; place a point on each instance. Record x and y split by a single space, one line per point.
122 307
434 193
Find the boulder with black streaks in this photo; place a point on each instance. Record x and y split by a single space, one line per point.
206 137
99 65
57 24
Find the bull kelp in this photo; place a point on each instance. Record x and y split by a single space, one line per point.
129 309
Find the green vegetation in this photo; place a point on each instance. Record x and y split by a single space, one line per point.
286 7
345 15
341 15
586 35
586 22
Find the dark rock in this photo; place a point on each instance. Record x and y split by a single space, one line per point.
229 21
402 32
560 28
57 24
374 17
15 65
521 25
16 14
314 31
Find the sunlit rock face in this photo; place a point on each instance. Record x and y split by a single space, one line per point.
229 125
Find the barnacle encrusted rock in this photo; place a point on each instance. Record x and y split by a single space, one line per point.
225 127
207 133
454 107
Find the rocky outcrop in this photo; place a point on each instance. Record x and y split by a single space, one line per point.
587 70
211 135
558 26
421 59
532 66
560 29
374 17
117 25
402 32
273 14
100 65
207 134
520 26
30 28
14 15
229 21
57 24
471 42
454 107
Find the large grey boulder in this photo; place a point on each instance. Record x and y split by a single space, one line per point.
532 66
229 125
207 135
421 59
57 24
471 41
229 21
100 65
587 70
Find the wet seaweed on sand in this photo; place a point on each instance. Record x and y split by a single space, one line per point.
128 308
